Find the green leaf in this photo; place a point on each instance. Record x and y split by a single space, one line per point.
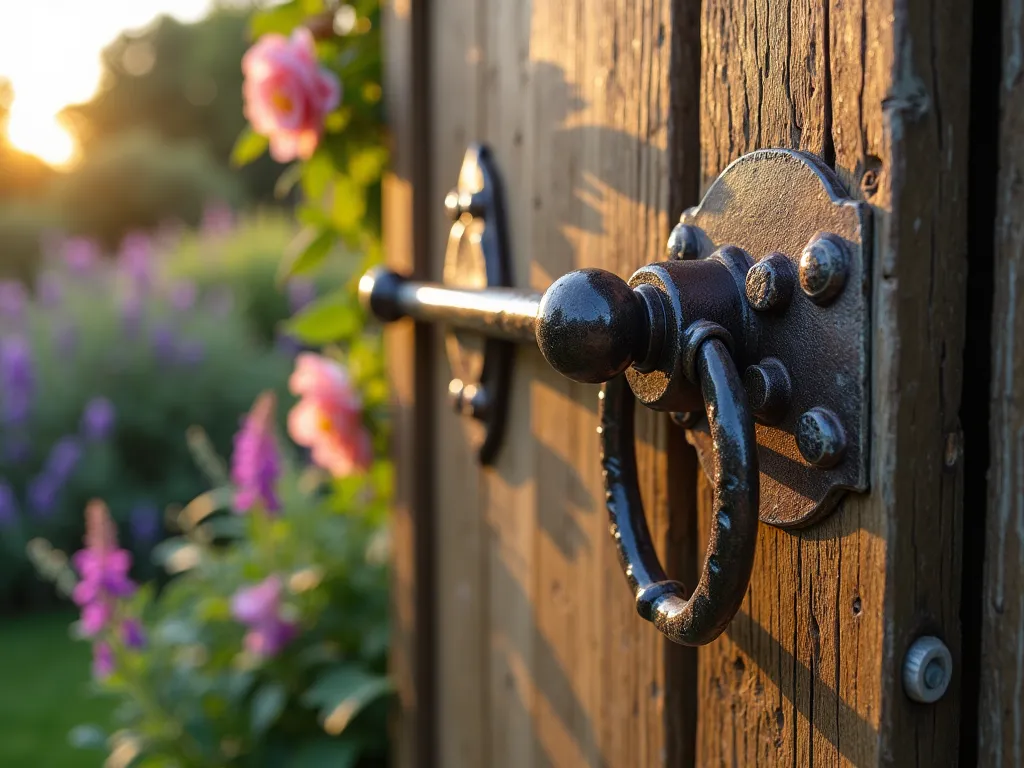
348 204
267 705
322 752
281 19
342 693
332 318
316 174
367 165
307 251
248 147
287 180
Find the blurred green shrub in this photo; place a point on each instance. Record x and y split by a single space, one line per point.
168 344
24 226
139 182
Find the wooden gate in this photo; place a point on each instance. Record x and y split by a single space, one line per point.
517 641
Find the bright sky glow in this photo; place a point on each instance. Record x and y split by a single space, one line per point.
50 52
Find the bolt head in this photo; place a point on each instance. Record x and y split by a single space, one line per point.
820 437
451 205
927 669
769 283
768 389
823 267
685 243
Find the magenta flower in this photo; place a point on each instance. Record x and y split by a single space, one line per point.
255 464
80 254
288 94
132 634
259 608
102 660
98 419
328 419
103 568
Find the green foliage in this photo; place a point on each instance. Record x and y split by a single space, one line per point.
139 182
181 81
24 226
165 371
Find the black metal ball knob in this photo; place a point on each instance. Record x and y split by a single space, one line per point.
591 325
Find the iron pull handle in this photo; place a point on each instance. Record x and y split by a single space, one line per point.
723 581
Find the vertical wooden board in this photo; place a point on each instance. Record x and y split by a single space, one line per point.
1001 719
409 352
542 659
808 672
462 606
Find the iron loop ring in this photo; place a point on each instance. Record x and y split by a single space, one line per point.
704 615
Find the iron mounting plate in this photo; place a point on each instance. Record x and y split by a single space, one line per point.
477 256
777 201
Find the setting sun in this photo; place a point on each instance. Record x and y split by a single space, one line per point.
65 70
42 135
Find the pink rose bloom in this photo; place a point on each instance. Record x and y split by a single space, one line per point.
328 419
288 94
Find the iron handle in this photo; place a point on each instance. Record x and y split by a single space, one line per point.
723 581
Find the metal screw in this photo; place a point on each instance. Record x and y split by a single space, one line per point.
468 399
769 389
457 203
685 243
823 267
927 669
820 437
769 282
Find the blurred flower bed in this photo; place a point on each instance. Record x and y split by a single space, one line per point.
109 358
262 638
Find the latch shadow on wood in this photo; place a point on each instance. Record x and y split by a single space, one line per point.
753 332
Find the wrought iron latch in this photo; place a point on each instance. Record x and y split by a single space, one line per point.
753 332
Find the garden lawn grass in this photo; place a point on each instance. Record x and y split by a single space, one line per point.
44 693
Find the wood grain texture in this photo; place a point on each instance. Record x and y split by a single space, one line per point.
409 358
542 660
1001 719
808 672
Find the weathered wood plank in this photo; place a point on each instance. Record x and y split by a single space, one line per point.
542 658
809 670
1001 720
409 357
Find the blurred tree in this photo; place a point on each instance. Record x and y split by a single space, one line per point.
180 81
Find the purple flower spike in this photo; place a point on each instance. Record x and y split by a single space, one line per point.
63 459
17 378
102 660
81 254
13 300
144 522
259 608
49 290
42 495
255 464
183 295
8 504
103 568
165 344
98 419
132 634
136 258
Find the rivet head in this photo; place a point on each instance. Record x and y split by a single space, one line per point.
451 205
685 243
823 267
468 399
769 283
820 437
768 389
927 669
